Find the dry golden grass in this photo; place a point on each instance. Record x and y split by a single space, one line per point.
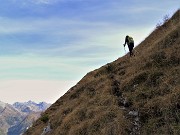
149 82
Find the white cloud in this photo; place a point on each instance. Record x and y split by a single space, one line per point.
40 2
26 2
44 1
90 35
10 26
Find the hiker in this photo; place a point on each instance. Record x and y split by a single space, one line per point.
130 42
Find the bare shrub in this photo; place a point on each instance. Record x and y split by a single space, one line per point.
166 18
158 25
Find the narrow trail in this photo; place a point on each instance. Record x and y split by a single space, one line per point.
131 114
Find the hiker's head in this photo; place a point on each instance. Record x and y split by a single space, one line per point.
127 36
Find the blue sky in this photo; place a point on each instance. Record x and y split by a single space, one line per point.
59 41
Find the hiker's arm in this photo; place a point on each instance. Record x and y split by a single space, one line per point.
125 42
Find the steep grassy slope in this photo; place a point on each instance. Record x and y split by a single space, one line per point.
128 96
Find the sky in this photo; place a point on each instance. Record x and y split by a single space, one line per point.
47 46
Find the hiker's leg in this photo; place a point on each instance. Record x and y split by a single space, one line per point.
130 50
132 44
131 53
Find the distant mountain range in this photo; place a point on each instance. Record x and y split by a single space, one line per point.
16 118
30 106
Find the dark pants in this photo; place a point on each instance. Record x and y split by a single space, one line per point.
131 46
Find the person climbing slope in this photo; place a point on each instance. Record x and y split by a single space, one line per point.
130 42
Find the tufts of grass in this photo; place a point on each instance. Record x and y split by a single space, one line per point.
159 58
44 118
136 80
154 78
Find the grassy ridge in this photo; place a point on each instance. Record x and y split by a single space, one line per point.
128 96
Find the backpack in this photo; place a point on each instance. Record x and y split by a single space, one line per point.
130 39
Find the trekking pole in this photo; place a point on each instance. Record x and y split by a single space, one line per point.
124 50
